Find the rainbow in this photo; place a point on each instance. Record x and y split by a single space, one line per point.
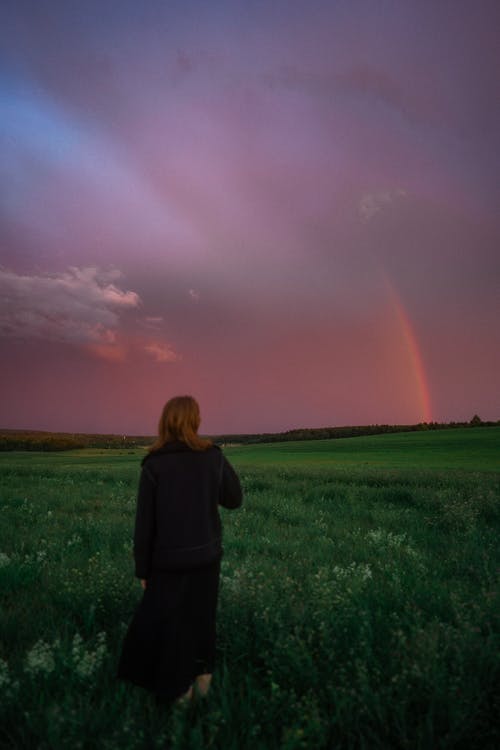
412 352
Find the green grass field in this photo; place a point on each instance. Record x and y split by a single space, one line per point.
474 449
358 604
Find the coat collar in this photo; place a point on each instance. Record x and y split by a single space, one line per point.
175 446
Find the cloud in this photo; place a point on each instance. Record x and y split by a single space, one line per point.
162 352
371 203
115 352
153 320
79 306
195 295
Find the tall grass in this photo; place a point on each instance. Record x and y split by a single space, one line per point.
358 609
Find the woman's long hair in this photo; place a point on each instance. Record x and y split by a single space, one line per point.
180 420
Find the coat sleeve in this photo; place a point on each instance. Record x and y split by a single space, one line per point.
231 495
145 524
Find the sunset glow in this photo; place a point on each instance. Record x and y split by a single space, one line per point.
287 209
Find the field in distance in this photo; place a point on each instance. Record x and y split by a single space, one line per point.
474 449
469 449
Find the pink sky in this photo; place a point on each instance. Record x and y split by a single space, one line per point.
287 209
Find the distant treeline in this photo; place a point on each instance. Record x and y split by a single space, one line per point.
34 440
325 433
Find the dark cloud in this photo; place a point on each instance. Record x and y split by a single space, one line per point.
82 305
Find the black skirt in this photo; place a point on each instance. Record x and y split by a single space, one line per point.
171 638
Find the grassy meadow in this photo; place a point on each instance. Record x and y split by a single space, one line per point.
358 604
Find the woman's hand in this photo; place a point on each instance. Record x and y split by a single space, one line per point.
144 583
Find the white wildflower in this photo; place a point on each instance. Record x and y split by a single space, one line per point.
366 572
355 571
389 541
40 659
4 674
383 538
88 662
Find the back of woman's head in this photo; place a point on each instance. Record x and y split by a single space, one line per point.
180 420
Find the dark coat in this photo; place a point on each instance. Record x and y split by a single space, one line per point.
177 523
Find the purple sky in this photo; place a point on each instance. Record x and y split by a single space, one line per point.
288 209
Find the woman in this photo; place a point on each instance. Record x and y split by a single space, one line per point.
169 647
